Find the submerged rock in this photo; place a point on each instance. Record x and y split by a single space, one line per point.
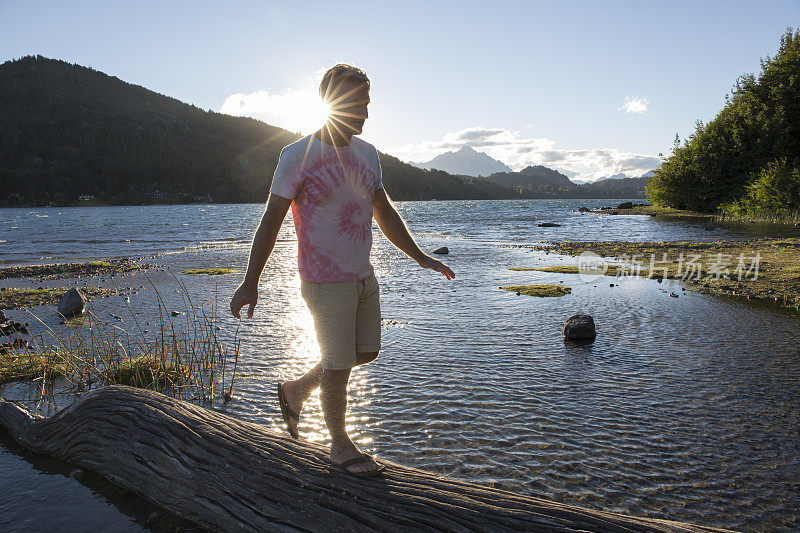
10 327
549 225
579 327
72 303
442 251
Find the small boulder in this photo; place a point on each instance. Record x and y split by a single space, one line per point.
176 313
10 327
579 327
72 303
583 209
442 251
625 205
549 225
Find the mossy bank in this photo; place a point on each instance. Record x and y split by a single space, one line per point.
762 269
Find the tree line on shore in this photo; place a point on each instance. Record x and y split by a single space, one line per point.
69 132
746 160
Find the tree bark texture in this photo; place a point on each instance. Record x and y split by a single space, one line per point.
229 475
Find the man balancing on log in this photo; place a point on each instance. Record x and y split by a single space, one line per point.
332 181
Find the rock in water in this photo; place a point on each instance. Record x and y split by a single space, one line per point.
579 328
442 251
583 209
549 225
625 205
72 303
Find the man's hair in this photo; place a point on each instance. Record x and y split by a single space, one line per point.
336 75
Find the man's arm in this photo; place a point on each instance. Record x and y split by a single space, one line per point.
395 229
263 243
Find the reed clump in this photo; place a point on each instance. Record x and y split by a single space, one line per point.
207 271
146 372
188 356
29 366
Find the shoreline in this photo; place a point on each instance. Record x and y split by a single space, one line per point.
763 269
655 211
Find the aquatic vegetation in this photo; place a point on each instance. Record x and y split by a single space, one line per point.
24 366
208 271
11 298
547 290
563 269
188 356
146 371
776 279
611 270
70 270
654 211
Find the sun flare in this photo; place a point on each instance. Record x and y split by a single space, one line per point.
300 110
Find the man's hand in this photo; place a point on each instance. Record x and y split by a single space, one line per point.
244 295
429 262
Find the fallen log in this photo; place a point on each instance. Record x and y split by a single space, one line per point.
228 475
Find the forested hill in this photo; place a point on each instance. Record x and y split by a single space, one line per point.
67 131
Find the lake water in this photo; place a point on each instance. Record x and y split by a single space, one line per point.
685 408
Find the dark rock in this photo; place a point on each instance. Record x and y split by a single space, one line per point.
610 284
579 327
549 225
11 327
2 316
176 313
583 209
625 205
72 303
674 295
442 251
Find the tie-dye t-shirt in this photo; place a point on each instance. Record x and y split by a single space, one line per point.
331 191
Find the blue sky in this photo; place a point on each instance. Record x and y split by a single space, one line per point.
527 82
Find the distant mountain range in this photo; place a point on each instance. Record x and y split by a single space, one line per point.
534 176
466 162
69 132
469 162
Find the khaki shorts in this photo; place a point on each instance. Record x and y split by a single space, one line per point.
347 319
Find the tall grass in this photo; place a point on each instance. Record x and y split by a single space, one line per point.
185 357
739 212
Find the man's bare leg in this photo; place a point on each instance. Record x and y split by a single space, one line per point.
298 391
333 394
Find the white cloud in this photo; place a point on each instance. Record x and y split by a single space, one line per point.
296 109
634 104
519 152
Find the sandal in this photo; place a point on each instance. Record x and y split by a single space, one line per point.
363 458
287 412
